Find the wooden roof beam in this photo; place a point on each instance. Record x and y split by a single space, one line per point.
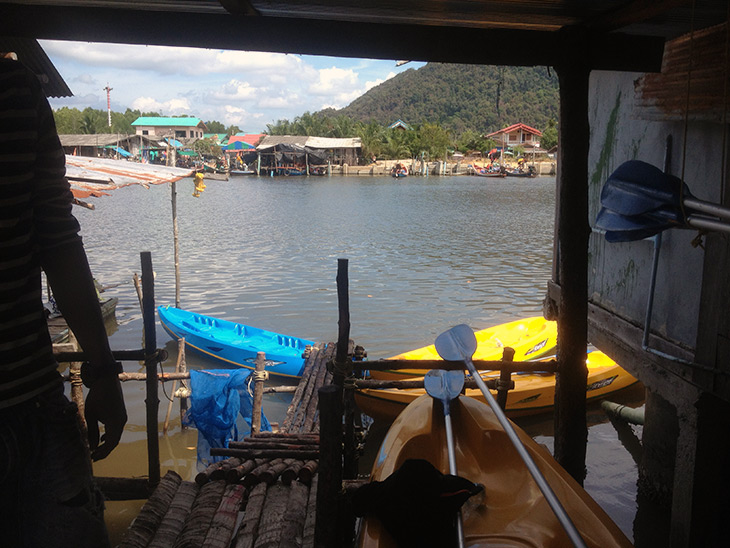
610 51
634 11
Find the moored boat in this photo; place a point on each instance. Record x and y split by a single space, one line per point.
235 343
534 393
531 338
511 511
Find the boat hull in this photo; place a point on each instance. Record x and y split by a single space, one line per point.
511 511
233 343
534 393
531 338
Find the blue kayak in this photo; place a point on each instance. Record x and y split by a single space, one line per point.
235 343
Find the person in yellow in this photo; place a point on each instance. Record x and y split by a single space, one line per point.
199 184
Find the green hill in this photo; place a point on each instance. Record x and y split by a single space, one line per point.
462 97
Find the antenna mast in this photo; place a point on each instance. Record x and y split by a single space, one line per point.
108 104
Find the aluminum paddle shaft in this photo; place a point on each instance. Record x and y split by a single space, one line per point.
459 343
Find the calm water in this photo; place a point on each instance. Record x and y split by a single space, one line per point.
424 254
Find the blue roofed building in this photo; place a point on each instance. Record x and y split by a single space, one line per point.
161 126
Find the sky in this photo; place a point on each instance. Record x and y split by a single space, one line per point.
246 89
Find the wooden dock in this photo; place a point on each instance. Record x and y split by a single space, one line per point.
263 494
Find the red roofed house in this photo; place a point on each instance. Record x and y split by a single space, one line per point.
250 138
517 134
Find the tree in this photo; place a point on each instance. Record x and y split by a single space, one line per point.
549 137
215 127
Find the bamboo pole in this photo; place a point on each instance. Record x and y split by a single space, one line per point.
180 355
258 392
175 241
152 400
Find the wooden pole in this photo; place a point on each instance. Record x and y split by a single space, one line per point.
152 399
571 430
343 338
175 242
505 378
180 356
329 483
258 392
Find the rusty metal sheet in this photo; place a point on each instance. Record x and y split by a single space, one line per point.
97 176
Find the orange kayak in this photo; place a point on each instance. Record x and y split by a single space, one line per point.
533 393
511 511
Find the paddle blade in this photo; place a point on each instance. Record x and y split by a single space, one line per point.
624 228
458 343
636 187
443 385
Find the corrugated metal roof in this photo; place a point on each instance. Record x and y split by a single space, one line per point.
164 121
97 176
31 54
270 141
331 142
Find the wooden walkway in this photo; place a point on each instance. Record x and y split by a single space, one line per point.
263 495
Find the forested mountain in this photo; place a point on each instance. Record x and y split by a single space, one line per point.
462 97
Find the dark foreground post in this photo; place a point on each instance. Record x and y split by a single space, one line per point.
152 399
571 430
329 483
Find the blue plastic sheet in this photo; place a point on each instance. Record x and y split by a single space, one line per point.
218 398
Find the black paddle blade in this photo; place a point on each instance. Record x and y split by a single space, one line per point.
636 187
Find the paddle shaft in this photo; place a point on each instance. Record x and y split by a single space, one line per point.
547 491
452 463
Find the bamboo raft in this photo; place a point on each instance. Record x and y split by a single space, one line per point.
263 494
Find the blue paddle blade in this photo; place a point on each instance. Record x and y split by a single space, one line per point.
443 385
458 343
626 228
636 187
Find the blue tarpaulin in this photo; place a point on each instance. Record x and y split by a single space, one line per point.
218 398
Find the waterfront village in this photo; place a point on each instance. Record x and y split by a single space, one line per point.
175 141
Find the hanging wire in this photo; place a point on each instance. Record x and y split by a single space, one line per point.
686 113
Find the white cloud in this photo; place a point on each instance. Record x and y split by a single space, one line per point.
170 107
371 84
87 79
333 80
234 90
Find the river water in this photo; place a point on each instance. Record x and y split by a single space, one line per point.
425 253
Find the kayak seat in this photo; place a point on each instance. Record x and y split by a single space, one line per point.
416 504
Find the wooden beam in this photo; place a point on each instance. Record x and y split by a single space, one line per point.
571 430
444 44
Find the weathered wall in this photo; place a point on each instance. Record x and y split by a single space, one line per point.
619 273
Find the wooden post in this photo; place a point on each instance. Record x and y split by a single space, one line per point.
180 357
175 242
343 338
258 392
152 399
505 378
571 430
329 483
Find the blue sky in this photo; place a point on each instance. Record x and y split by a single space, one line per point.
247 89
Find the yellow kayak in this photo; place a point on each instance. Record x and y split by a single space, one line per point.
533 393
512 511
531 338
